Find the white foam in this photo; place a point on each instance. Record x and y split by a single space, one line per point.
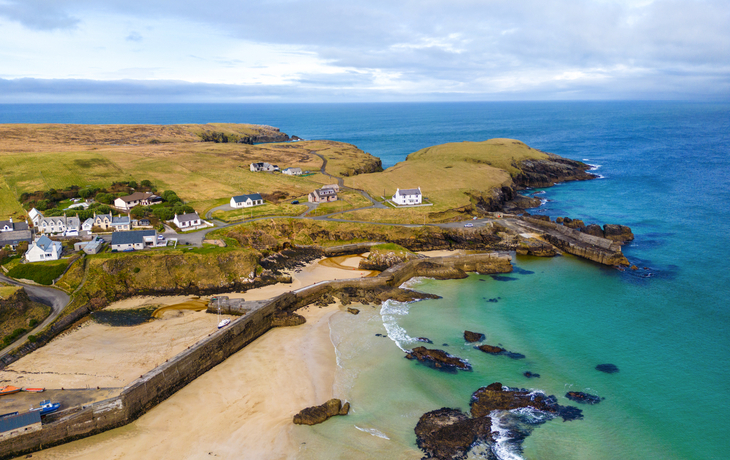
501 448
391 312
413 282
373 432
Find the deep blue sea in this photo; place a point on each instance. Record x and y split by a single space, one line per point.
665 172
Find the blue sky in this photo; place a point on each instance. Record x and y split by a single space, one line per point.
331 51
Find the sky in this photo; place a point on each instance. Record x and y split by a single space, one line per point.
357 51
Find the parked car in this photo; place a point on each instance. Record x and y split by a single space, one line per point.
469 225
295 202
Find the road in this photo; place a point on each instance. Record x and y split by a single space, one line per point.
50 296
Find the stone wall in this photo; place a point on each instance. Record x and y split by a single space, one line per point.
160 383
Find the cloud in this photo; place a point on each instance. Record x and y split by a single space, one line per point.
38 14
134 37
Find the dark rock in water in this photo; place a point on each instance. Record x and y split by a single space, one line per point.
619 233
354 311
449 433
438 359
496 397
470 336
378 335
607 368
493 300
318 414
424 340
531 375
503 278
522 271
444 344
593 229
492 350
583 398
345 409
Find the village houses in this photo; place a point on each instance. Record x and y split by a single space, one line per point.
247 201
12 233
262 166
323 195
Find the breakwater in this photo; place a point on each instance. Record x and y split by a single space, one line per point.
160 383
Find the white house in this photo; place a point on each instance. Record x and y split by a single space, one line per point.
334 187
262 166
10 226
134 240
292 171
246 201
408 196
128 202
87 225
44 249
35 215
187 221
58 224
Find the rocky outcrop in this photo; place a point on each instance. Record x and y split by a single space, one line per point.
353 311
438 359
450 434
382 260
318 414
548 172
471 337
619 233
285 319
15 304
583 398
531 375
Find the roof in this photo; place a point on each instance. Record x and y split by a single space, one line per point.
331 186
13 238
136 196
44 243
324 192
13 422
252 196
409 191
293 169
135 237
121 220
188 217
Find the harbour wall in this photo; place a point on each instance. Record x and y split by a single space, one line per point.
163 381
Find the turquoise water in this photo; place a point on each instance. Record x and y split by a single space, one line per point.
665 172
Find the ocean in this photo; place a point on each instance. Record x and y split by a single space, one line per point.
664 171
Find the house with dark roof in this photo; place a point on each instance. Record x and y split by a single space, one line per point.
408 196
18 424
247 201
263 166
14 238
322 195
134 240
137 198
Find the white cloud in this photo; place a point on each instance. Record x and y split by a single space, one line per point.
486 49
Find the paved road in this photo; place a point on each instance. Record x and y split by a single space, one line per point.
50 296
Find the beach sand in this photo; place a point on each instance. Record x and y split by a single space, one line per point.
241 409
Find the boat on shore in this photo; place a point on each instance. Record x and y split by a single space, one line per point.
8 390
46 407
34 390
224 323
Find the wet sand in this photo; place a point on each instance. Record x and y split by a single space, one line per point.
241 409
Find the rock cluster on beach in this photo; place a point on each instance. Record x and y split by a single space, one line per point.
583 398
318 414
471 337
450 434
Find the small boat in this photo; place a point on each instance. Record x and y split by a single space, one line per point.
224 323
47 407
8 390
34 390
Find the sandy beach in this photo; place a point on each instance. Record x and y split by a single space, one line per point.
242 408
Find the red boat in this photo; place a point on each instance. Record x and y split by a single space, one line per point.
8 390
35 390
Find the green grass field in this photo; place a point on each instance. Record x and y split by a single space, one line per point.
346 200
40 272
268 209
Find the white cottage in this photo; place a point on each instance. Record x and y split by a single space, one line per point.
187 221
247 201
292 171
408 196
44 249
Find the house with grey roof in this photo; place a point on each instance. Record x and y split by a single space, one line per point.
247 201
134 240
10 226
263 166
408 196
121 223
44 249
14 238
58 224
18 424
126 203
188 221
322 195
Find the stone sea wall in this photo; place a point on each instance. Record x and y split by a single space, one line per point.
160 383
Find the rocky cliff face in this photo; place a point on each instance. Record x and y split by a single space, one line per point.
546 173
14 305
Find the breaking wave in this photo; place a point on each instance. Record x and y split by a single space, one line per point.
391 312
373 432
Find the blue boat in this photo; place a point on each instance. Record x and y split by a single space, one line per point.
47 407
